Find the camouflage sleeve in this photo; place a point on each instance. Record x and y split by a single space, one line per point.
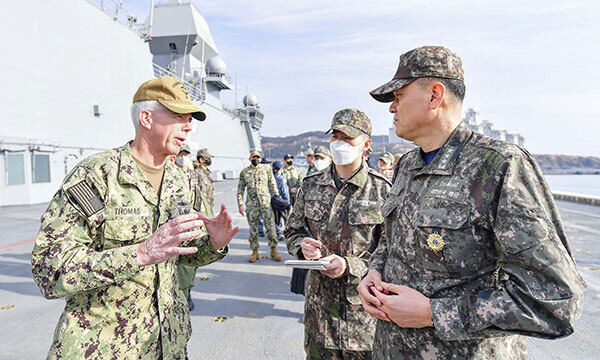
64 261
295 227
379 245
272 182
299 178
206 253
241 188
358 266
539 291
379 256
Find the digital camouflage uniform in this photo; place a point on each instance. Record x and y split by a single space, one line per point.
257 182
86 252
346 221
203 202
202 178
478 232
293 175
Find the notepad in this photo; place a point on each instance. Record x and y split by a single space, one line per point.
307 264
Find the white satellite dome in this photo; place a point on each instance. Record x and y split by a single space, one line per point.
216 65
250 100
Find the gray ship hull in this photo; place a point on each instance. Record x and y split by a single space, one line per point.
70 71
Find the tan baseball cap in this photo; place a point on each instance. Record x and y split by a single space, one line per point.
171 93
255 152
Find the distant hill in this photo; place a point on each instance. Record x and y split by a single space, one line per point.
276 147
567 163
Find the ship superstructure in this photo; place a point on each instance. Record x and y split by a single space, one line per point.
67 94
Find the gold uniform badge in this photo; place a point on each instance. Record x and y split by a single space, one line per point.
435 242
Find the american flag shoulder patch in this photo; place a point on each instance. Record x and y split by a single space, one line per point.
86 197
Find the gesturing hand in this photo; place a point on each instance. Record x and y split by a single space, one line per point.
405 306
219 228
162 245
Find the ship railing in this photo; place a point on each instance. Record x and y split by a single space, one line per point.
229 110
196 90
115 10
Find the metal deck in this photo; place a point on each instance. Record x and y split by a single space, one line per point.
263 319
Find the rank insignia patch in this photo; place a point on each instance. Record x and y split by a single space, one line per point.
85 196
435 242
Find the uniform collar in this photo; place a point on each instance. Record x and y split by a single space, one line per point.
131 173
359 179
169 179
447 157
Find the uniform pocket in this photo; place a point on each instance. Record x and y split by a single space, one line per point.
446 241
126 231
314 209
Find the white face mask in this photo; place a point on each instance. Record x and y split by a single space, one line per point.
321 164
344 153
184 162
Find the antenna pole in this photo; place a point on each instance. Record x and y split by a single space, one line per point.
151 19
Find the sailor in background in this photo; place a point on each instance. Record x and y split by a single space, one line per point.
340 206
322 158
310 158
256 180
385 164
202 178
202 185
284 193
475 255
108 241
293 176
184 159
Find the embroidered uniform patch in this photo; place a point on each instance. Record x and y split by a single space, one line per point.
85 196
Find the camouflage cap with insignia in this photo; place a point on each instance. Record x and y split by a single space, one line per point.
171 93
309 152
203 153
186 148
322 151
255 152
387 158
351 122
425 61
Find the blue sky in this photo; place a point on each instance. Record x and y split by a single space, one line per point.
531 67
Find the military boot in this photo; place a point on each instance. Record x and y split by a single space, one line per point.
275 255
254 255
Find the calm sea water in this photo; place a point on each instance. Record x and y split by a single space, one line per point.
582 184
